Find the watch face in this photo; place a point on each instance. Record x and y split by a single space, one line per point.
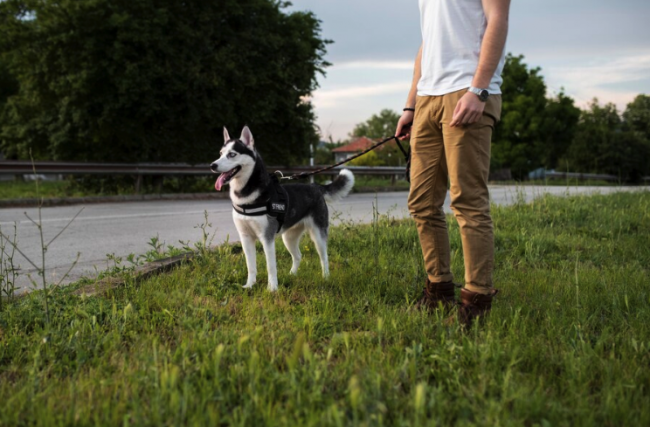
484 95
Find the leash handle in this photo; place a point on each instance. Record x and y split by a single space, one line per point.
408 126
399 144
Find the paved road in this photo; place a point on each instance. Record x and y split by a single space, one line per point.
124 228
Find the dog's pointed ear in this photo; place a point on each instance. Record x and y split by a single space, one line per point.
226 137
247 137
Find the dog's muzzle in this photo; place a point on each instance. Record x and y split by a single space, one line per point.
214 167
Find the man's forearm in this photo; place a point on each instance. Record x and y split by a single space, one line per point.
494 41
417 73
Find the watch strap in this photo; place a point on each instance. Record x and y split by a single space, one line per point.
482 94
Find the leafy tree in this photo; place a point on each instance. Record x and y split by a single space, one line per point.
602 144
155 80
323 155
369 159
8 88
637 115
534 131
516 136
8 84
390 155
379 126
557 130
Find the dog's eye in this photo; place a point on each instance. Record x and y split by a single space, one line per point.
231 155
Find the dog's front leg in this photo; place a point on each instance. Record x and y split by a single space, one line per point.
271 268
248 243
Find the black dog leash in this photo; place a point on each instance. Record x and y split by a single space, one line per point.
396 138
277 205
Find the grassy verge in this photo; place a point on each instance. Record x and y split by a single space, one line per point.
568 341
102 186
48 189
70 188
573 182
372 183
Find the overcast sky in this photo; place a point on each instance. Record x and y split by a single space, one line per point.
591 48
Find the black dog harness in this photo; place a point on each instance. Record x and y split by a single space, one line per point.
277 205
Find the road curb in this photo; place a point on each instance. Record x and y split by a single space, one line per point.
139 274
143 272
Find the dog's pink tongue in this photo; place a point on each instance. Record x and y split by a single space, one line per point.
220 182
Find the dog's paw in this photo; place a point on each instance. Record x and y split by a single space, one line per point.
294 271
272 287
248 286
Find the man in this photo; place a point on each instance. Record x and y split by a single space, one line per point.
453 106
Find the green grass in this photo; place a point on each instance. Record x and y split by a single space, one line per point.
70 188
48 189
102 186
372 182
567 343
561 182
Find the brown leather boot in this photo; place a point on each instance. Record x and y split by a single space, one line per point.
474 305
437 293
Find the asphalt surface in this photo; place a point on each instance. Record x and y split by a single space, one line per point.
121 229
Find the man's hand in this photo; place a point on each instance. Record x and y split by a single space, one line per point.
468 110
403 130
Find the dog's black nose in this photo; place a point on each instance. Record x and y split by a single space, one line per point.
214 167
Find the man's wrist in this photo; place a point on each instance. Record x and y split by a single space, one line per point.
482 94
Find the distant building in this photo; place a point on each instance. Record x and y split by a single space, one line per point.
355 147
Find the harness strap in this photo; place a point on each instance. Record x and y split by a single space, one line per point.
251 210
276 205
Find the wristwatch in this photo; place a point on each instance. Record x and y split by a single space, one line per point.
482 94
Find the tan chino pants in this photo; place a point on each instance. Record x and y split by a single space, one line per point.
461 154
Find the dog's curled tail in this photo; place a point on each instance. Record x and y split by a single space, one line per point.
340 187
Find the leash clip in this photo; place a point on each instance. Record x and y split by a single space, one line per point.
278 172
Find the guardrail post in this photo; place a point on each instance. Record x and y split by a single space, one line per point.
138 183
158 183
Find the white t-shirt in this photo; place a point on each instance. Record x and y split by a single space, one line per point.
452 33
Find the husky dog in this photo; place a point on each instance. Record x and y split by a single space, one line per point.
262 208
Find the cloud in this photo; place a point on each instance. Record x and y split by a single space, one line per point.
332 98
616 80
376 65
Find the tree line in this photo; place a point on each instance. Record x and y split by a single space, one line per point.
155 80
537 131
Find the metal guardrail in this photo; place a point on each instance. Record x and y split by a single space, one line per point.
584 176
169 169
581 176
68 168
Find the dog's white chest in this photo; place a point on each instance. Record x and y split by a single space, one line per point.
251 225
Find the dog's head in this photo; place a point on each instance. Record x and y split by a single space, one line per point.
237 155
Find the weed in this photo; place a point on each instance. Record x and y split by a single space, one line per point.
8 271
44 247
